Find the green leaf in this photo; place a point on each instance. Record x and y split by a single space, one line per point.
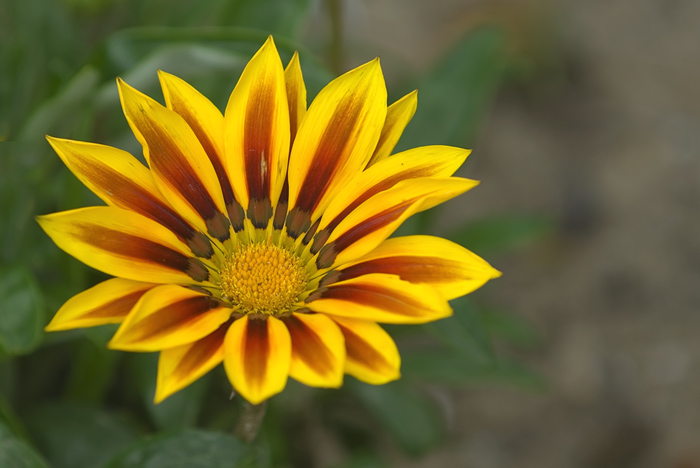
454 97
21 311
73 435
502 232
58 114
363 460
288 18
509 327
127 48
447 368
409 416
178 411
8 416
186 449
14 453
464 332
93 368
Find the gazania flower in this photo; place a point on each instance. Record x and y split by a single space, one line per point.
260 237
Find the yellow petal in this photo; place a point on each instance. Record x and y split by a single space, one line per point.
296 99
257 134
449 267
122 181
378 217
257 355
296 94
397 117
318 350
168 316
335 140
180 166
372 355
180 366
381 298
426 161
124 244
207 123
107 302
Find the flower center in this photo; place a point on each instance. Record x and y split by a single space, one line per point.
263 278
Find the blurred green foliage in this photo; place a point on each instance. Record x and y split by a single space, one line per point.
68 402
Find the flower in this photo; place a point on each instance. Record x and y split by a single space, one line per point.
260 238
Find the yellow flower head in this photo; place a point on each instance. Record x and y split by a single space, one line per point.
260 237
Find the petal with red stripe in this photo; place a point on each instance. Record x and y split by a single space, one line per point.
207 123
106 302
318 350
257 134
296 94
257 356
380 298
449 267
180 166
180 366
125 244
378 217
372 355
335 140
296 99
122 181
398 115
169 316
427 161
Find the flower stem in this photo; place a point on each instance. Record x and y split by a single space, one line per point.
249 421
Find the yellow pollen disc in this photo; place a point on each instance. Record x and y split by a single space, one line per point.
263 278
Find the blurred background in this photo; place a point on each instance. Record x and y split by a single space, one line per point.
583 117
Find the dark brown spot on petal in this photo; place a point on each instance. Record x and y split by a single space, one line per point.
317 294
310 233
309 347
200 245
282 206
331 277
259 212
196 270
218 225
138 248
280 215
320 239
327 256
298 222
199 289
236 215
